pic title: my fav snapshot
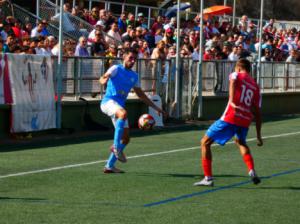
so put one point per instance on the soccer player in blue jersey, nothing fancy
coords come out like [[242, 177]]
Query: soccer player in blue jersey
[[120, 79]]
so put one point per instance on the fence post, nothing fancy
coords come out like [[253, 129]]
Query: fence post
[[287, 77], [149, 18], [158, 80], [90, 5], [190, 66], [75, 78], [37, 10], [59, 69]]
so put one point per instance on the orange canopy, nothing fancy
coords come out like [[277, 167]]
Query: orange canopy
[[217, 10]]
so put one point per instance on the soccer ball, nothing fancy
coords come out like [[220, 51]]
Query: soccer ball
[[146, 122]]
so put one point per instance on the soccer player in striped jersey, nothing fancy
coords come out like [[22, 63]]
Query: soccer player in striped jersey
[[244, 102]]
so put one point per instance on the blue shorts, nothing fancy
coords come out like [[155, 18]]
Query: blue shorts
[[221, 132]]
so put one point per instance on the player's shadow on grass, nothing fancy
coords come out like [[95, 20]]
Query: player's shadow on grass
[[260, 187], [22, 199], [185, 175], [53, 140]]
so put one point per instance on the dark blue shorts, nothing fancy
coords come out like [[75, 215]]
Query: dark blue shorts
[[221, 132]]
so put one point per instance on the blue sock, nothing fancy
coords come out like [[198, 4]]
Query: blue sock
[[119, 130], [112, 159]]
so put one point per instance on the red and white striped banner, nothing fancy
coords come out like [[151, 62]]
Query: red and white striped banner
[[5, 90]]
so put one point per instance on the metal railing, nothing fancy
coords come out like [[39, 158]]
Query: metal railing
[[26, 16], [80, 78], [151, 12], [72, 25]]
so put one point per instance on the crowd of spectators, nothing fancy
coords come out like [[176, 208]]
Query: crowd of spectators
[[111, 35]]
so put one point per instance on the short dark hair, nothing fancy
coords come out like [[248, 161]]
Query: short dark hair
[[244, 64], [130, 50]]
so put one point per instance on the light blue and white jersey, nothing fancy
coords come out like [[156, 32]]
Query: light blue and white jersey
[[120, 83]]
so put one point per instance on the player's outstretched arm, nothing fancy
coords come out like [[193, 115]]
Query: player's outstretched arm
[[140, 93], [104, 78]]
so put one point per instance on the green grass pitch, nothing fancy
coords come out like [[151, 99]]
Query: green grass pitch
[[62, 181]]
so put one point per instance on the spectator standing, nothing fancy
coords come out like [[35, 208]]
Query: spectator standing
[[40, 48], [195, 54], [233, 56], [269, 25], [143, 51], [226, 51], [158, 24], [267, 56], [169, 37], [93, 17], [17, 29], [141, 21], [149, 38], [122, 25], [159, 54], [99, 46], [81, 48], [48, 45], [158, 35], [131, 21], [139, 33], [98, 27], [129, 36], [207, 56], [114, 33], [171, 24], [243, 23], [110, 54], [66, 24], [103, 19], [45, 32], [110, 19], [292, 58], [8, 44], [38, 30], [27, 28], [6, 30]]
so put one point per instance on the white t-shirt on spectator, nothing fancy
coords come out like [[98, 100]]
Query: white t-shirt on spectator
[[41, 51], [55, 51], [91, 37], [115, 35], [195, 56], [67, 24], [36, 33], [233, 57]]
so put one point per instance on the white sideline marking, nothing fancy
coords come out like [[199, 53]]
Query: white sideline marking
[[130, 157]]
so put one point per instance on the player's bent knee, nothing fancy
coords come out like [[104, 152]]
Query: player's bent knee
[[206, 141], [122, 114]]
